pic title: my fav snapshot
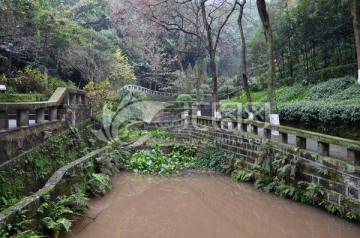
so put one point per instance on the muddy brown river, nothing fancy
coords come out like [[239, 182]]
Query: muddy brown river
[[202, 205]]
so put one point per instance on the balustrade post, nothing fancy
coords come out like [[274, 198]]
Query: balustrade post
[[267, 133], [78, 99], [4, 120], [72, 98], [22, 117], [323, 148], [301, 142], [243, 127], [39, 115], [255, 130], [53, 114], [353, 157], [284, 138], [83, 99]]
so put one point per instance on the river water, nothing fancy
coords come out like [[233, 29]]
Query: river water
[[202, 205]]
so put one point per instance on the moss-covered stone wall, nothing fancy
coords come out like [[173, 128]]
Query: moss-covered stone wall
[[341, 182]]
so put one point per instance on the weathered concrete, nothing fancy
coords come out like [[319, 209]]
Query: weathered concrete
[[26, 129]]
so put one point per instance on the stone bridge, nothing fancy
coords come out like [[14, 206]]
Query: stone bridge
[[135, 88]]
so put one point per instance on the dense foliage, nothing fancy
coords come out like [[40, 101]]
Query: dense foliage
[[212, 156], [156, 162], [68, 40]]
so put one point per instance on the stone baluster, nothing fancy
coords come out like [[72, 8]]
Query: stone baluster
[[53, 114], [73, 99], [39, 116], [267, 133], [78, 99], [255, 130], [243, 127], [323, 148], [353, 157], [22, 117], [284, 138], [301, 142], [4, 120]]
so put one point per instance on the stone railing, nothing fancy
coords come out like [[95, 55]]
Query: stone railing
[[25, 114], [23, 125], [313, 152], [135, 88], [323, 145]]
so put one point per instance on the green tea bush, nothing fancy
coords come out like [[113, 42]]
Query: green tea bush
[[327, 89], [347, 94], [286, 94], [234, 110], [321, 111], [184, 98]]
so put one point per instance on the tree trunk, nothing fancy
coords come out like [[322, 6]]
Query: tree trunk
[[243, 56], [264, 16], [211, 50], [199, 73], [356, 23]]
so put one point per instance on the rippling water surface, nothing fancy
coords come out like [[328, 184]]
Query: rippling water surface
[[202, 205]]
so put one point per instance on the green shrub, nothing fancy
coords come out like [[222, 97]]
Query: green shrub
[[287, 94], [193, 91], [156, 162], [27, 81], [227, 91], [35, 97], [349, 93], [212, 156], [206, 88], [184, 98], [233, 110], [321, 111], [160, 134], [54, 83], [329, 88]]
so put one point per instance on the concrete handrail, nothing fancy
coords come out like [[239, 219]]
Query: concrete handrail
[[60, 98], [148, 91], [251, 127]]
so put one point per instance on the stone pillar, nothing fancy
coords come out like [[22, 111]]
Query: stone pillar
[[267, 133], [39, 116], [53, 114], [83, 99], [353, 157], [243, 127], [301, 142], [323, 148], [255, 130], [72, 98], [22, 117], [78, 99], [184, 114], [4, 120], [284, 138]]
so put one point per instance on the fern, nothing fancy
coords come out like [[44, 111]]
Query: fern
[[241, 175]]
